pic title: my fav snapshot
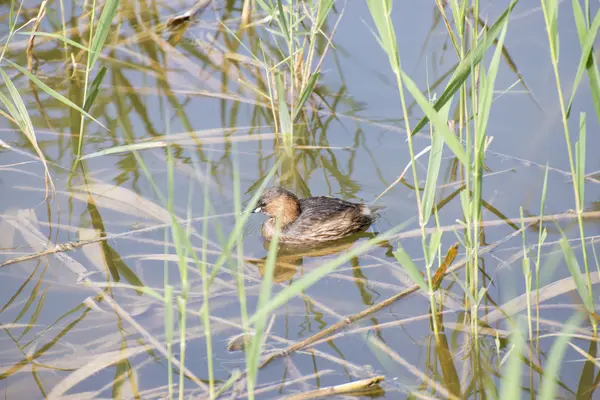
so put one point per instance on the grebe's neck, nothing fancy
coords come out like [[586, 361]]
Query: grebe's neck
[[285, 207]]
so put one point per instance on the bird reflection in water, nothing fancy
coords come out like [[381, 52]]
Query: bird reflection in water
[[290, 256]]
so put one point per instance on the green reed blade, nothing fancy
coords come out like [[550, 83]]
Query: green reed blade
[[511, 375], [233, 378], [575, 271], [18, 111], [264, 296], [324, 9], [306, 92], [580, 148], [411, 269], [556, 358], [591, 65], [52, 92], [587, 39], [433, 168], [56, 36], [94, 89], [126, 148], [169, 319], [439, 123], [434, 246], [283, 22], [486, 95], [205, 315], [473, 57], [103, 28], [550, 8], [285, 123]]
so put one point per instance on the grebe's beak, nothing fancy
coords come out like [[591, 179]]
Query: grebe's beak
[[257, 210]]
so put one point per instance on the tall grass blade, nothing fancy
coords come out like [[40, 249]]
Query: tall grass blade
[[324, 9], [575, 271], [169, 320], [284, 112], [411, 269], [434, 246], [439, 123], [52, 92], [555, 359], [104, 26], [205, 315], [580, 148], [511, 376], [380, 12], [233, 378], [285, 123], [591, 65], [282, 20], [126, 148], [263, 298], [587, 45], [473, 57], [433, 167], [56, 36], [550, 8], [306, 92], [487, 91], [18, 111], [94, 89]]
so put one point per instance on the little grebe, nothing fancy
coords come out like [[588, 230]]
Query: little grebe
[[314, 219]]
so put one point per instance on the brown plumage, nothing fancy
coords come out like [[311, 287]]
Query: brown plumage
[[314, 219]]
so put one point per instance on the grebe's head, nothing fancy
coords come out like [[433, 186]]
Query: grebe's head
[[276, 201]]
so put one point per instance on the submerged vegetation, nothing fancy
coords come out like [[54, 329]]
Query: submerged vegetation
[[132, 271]]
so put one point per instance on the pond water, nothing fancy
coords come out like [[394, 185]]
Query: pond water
[[197, 94]]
